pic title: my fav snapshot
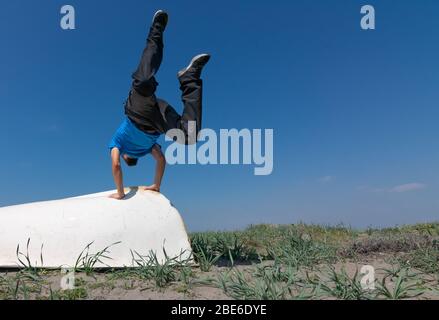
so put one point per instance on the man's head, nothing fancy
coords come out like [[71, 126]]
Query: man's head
[[131, 162]]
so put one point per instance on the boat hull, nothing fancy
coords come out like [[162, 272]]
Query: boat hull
[[53, 234]]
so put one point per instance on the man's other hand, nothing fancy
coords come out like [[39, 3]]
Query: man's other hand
[[117, 196], [153, 187]]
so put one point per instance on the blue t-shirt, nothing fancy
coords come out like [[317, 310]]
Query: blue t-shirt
[[132, 141]]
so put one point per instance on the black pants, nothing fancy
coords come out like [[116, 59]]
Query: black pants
[[151, 114]]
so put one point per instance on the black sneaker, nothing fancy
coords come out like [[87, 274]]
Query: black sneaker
[[196, 65], [160, 17]]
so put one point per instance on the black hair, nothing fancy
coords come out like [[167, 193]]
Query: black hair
[[131, 162]]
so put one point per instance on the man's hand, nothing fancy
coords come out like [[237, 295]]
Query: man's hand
[[117, 196], [153, 187]]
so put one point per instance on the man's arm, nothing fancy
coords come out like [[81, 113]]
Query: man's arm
[[159, 169], [117, 174]]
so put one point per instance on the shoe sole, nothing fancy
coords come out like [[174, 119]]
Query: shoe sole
[[156, 14], [182, 72]]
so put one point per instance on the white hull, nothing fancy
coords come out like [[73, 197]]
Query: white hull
[[146, 221]]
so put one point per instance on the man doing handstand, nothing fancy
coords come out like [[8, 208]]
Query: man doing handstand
[[147, 117]]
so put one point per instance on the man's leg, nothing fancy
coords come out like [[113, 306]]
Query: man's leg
[[143, 78], [191, 87]]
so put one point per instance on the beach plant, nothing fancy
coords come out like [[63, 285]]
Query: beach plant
[[340, 285], [205, 258], [25, 262], [86, 261], [22, 285], [237, 250], [241, 287], [425, 259], [277, 273], [301, 251], [403, 286], [232, 246], [73, 294], [161, 272]]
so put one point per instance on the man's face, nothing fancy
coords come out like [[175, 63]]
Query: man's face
[[131, 162]]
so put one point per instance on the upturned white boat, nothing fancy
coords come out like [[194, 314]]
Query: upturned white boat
[[61, 233]]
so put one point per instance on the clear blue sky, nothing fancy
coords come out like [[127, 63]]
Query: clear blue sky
[[355, 113]]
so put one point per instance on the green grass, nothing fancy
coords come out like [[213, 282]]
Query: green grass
[[400, 285], [341, 286], [241, 286], [25, 262], [425, 259], [74, 294], [86, 261], [161, 272], [300, 250], [204, 253]]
